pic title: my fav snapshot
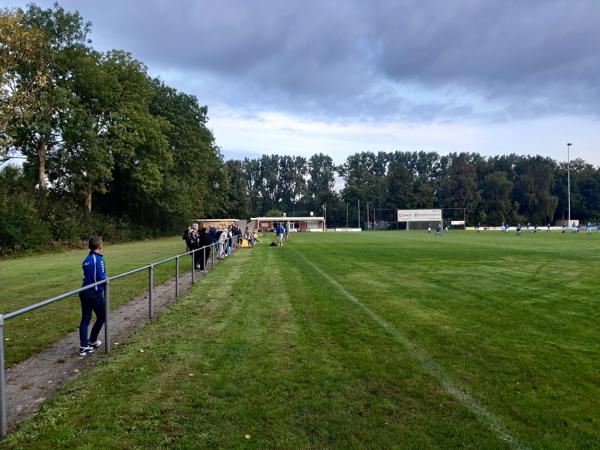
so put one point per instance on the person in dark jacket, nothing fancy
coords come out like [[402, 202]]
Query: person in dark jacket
[[193, 243], [205, 241], [186, 232], [237, 233], [92, 299], [212, 231]]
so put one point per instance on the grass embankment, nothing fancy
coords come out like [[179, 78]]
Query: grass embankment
[[268, 347], [28, 280]]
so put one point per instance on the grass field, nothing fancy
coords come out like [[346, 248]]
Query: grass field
[[28, 280], [371, 340]]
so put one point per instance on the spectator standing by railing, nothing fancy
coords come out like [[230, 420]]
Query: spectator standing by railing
[[205, 241], [193, 243], [92, 299], [237, 231], [222, 243], [212, 232], [229, 238], [186, 232]]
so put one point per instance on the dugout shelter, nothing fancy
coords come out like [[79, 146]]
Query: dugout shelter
[[309, 223], [218, 223]]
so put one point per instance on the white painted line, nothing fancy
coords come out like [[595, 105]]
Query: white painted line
[[481, 412]]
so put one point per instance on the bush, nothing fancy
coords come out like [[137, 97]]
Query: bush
[[30, 222], [20, 226]]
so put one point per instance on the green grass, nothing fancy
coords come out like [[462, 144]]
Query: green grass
[[28, 280], [267, 346]]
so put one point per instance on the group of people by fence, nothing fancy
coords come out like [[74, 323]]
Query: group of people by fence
[[196, 238]]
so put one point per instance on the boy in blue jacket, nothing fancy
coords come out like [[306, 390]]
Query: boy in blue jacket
[[279, 231], [92, 299]]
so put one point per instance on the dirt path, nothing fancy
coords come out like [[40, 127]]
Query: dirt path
[[32, 381]]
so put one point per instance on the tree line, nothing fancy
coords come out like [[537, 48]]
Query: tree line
[[107, 149], [492, 190], [104, 146]]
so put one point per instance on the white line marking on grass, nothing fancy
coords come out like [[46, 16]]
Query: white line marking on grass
[[434, 369]]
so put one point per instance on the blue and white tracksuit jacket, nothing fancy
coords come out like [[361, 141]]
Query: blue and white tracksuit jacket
[[93, 271]]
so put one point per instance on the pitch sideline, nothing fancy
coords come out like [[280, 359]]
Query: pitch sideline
[[438, 372]]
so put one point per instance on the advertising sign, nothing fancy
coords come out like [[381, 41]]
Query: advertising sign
[[419, 215]]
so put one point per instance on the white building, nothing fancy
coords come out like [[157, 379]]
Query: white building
[[294, 223]]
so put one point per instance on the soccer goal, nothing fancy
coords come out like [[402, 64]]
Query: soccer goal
[[419, 219], [422, 219]]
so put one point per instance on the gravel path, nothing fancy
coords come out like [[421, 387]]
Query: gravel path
[[32, 381]]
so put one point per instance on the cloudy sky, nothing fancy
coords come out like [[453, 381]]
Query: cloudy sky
[[299, 77]]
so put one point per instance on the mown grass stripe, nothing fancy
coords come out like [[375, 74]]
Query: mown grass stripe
[[494, 422]]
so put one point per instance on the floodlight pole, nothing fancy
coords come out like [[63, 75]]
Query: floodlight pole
[[569, 181], [368, 223], [358, 215], [346, 215]]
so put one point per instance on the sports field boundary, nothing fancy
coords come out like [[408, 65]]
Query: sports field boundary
[[58, 363], [30, 382], [491, 420]]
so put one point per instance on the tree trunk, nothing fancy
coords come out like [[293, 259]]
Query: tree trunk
[[88, 196], [42, 164]]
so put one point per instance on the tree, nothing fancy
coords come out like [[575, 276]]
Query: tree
[[36, 132], [321, 181], [365, 174], [142, 157], [20, 45], [497, 190], [533, 189], [459, 187], [400, 184], [238, 202], [196, 184], [284, 182], [20, 224], [274, 212], [251, 169], [268, 188], [85, 159]]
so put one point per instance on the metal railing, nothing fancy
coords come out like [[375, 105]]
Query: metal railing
[[212, 249]]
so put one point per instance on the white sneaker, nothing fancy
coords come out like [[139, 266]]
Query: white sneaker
[[95, 344], [85, 351]]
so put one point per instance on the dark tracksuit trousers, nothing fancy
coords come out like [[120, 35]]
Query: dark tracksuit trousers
[[91, 300]]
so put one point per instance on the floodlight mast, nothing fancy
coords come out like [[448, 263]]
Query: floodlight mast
[[569, 182]]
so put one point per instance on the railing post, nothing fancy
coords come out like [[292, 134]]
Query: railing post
[[2, 382], [107, 317], [150, 291], [193, 266], [177, 276], [204, 258], [212, 257]]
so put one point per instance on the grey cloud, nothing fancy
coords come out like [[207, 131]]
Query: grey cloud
[[327, 58], [536, 56]]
